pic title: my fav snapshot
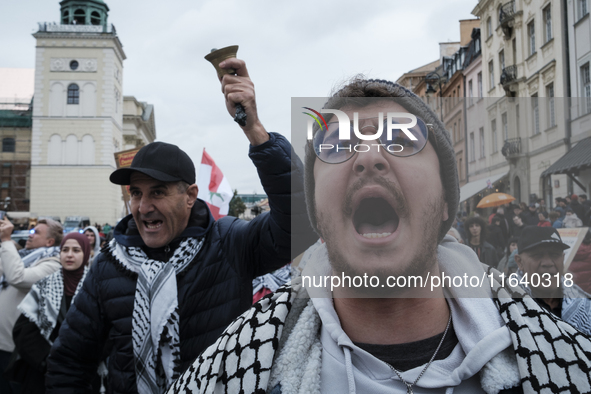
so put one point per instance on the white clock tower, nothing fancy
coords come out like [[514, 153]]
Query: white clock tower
[[77, 114]]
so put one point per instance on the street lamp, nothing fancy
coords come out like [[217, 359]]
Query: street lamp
[[431, 79], [430, 90]]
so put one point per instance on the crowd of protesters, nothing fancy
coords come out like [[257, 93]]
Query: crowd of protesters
[[494, 238], [165, 304]]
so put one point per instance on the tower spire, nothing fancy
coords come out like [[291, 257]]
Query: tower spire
[[84, 12]]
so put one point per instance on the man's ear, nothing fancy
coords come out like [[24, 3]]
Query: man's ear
[[192, 192], [50, 242]]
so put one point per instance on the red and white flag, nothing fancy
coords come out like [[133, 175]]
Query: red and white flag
[[214, 188]]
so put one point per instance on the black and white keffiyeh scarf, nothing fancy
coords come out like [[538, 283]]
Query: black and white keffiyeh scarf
[[42, 304], [254, 352], [30, 256], [576, 304], [155, 321]]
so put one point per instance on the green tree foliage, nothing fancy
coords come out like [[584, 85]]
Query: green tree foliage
[[237, 206]]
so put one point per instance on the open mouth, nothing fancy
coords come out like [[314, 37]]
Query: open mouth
[[153, 224], [375, 218]]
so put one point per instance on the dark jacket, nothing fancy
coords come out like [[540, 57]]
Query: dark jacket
[[496, 237], [516, 231], [530, 218], [581, 267], [213, 290], [578, 209], [487, 253]]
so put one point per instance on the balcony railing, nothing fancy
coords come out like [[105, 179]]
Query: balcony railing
[[508, 75], [511, 147], [53, 27], [506, 18]]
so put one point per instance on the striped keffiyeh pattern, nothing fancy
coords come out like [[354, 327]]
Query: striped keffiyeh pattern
[[155, 320]]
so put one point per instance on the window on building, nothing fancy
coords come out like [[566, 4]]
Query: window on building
[[583, 9], [460, 168], [459, 129], [505, 126], [95, 18], [5, 185], [79, 17], [87, 150], [481, 142], [491, 75], [480, 85], [472, 153], [586, 87], [531, 35], [73, 94], [493, 128], [502, 59], [65, 17], [470, 93], [489, 27], [8, 145], [550, 98], [535, 113], [71, 150], [547, 23], [54, 150]]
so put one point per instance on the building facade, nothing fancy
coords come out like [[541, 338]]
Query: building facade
[[576, 163], [15, 157], [78, 115], [523, 61]]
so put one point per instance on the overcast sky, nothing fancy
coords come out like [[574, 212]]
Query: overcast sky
[[292, 49]]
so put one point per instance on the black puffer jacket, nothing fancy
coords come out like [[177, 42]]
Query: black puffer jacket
[[213, 290]]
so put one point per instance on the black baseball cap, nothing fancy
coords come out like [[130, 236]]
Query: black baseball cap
[[533, 236], [161, 161]]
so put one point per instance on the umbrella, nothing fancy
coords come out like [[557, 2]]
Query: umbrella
[[495, 199]]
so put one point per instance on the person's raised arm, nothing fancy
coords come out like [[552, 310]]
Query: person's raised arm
[[14, 269], [265, 243], [239, 89]]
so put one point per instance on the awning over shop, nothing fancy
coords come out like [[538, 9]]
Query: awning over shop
[[475, 187], [573, 161]]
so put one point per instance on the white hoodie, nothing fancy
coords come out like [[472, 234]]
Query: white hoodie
[[480, 330]]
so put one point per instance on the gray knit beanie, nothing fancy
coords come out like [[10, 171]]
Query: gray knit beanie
[[439, 138]]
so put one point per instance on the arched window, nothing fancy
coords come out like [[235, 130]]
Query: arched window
[[95, 18], [73, 94], [8, 145], [87, 150], [71, 150], [54, 150], [79, 17], [66, 17]]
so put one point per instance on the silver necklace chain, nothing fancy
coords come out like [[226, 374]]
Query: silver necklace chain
[[409, 385]]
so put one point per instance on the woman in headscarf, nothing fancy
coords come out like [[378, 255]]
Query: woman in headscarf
[[95, 241], [43, 311]]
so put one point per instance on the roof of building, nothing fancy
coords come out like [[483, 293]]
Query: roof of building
[[425, 68], [576, 159], [13, 118]]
